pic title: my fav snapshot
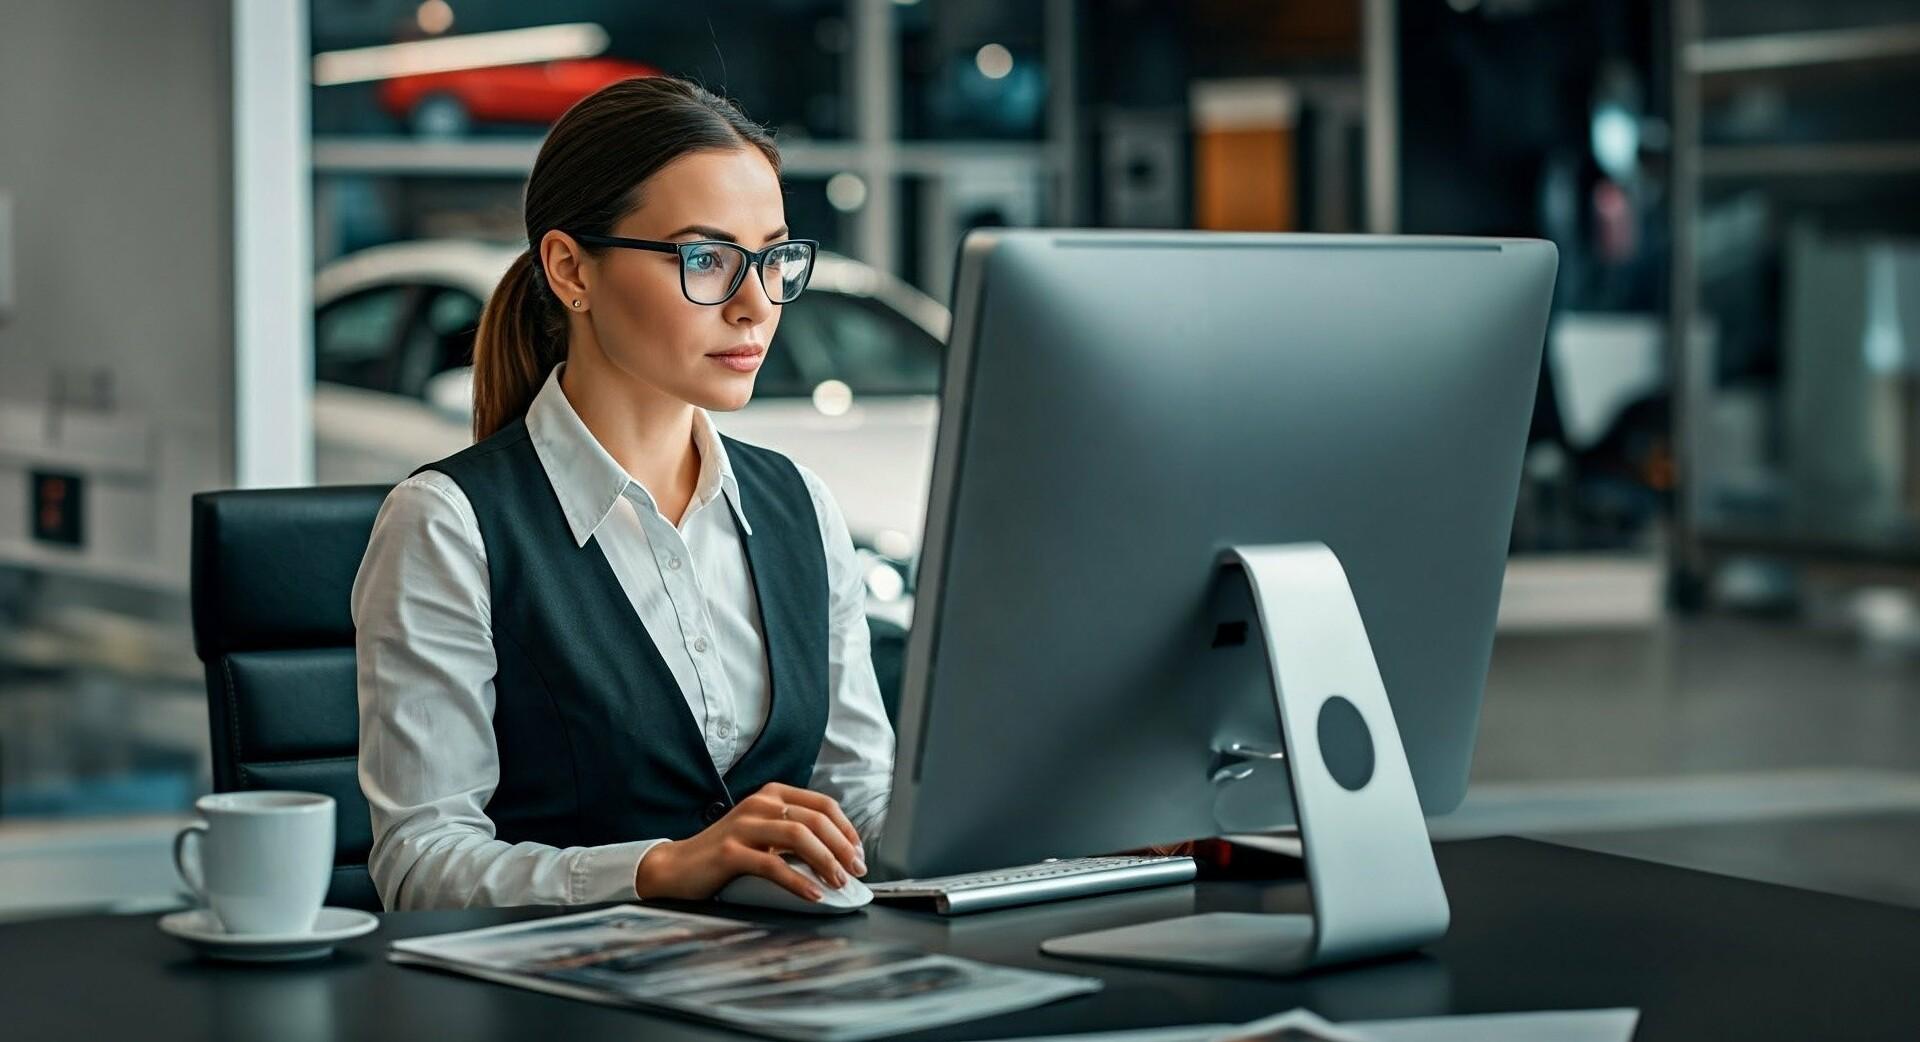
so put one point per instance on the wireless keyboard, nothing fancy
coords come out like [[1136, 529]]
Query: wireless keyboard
[[1032, 884]]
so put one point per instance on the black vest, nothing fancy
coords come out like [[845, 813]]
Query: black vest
[[596, 742]]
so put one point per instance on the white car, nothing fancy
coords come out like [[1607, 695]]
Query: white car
[[850, 388]]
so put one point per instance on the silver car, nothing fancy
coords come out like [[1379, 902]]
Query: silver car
[[850, 388]]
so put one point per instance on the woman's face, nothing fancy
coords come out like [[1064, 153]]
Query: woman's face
[[643, 323]]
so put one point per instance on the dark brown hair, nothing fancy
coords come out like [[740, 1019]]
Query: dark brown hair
[[589, 174]]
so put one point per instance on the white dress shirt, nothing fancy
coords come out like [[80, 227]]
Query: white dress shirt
[[423, 634]]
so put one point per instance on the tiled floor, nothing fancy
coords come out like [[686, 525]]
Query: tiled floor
[[1763, 749], [1715, 694]]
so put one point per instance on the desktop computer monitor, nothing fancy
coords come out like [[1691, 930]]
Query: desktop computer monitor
[[1170, 468]]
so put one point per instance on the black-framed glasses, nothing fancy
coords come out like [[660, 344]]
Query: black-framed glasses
[[711, 270]]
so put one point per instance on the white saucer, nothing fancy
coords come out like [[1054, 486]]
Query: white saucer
[[201, 929]]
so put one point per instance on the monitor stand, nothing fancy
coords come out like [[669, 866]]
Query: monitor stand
[[1369, 864]]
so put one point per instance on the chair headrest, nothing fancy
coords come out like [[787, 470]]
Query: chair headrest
[[274, 568]]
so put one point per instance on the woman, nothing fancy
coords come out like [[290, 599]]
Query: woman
[[607, 653]]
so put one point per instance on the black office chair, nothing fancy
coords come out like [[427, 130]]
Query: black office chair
[[272, 574], [889, 644]]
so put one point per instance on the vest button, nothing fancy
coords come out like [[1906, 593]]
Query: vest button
[[714, 812]]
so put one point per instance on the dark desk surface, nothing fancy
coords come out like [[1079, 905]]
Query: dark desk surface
[[1535, 927]]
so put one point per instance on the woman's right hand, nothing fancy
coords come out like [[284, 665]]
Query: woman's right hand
[[749, 841]]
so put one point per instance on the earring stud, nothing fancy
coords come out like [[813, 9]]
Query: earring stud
[[576, 303]]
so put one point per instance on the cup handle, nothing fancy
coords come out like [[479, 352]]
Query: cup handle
[[194, 877]]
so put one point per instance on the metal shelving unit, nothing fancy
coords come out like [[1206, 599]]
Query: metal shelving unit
[[513, 157], [1775, 176], [1796, 50]]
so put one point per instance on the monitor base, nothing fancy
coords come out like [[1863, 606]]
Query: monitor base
[[1374, 887], [1271, 945]]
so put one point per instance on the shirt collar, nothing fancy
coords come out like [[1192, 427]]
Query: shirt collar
[[588, 481]]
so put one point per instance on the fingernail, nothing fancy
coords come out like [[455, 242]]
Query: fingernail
[[839, 878], [813, 893], [859, 866]]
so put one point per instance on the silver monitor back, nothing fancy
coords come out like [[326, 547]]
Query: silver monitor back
[[1120, 407]]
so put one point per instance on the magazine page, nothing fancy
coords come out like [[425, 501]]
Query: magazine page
[[1301, 1025], [1298, 1025], [922, 992], [783, 983]]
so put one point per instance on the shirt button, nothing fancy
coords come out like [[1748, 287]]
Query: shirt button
[[673, 563], [700, 645], [714, 812]]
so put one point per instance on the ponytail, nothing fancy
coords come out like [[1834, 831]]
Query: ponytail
[[588, 175], [521, 338]]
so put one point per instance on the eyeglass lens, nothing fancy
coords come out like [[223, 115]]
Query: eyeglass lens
[[710, 269]]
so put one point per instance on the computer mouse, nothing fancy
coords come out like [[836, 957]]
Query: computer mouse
[[761, 892]]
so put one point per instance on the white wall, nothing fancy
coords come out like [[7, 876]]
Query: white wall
[[273, 244], [117, 122]]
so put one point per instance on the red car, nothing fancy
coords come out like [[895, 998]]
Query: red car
[[447, 104]]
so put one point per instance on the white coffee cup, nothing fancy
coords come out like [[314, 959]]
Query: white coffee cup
[[261, 860]]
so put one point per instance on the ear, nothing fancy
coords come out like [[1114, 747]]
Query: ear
[[565, 264]]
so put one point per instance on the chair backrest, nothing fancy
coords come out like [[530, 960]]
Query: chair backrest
[[272, 576], [888, 642]]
